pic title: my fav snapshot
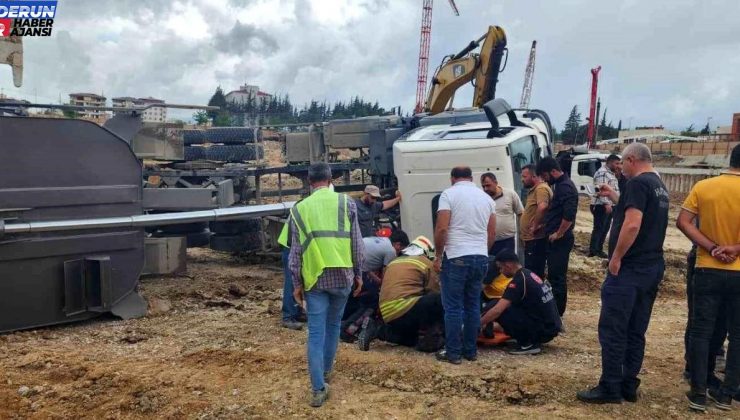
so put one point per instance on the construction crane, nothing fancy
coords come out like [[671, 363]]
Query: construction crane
[[592, 109], [528, 78], [426, 35]]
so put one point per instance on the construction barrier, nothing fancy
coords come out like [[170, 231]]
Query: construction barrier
[[680, 180], [704, 148]]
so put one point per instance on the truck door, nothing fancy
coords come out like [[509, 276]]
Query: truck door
[[522, 152], [582, 174]]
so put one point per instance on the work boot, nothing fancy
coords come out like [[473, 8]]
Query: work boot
[[319, 397], [721, 400], [442, 356], [292, 324], [598, 395], [697, 401], [368, 333]]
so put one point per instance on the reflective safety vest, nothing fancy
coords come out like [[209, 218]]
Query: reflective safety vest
[[323, 226], [283, 238]]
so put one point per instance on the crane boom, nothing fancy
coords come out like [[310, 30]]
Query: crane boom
[[426, 35], [592, 108], [528, 78]]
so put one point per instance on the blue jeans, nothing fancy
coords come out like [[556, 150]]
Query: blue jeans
[[290, 307], [626, 305], [324, 308], [462, 280]]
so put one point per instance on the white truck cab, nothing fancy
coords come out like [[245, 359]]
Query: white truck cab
[[424, 157], [581, 169]]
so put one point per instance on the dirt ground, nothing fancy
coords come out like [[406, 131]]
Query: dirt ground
[[212, 347]]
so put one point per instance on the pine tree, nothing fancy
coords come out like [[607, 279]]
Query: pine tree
[[572, 125], [218, 99]]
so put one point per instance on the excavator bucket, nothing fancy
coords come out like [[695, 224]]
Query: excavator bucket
[[11, 53]]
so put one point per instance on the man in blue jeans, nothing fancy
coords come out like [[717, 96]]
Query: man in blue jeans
[[292, 313], [465, 230], [326, 257]]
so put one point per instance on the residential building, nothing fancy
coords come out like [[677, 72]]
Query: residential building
[[89, 99], [153, 114], [245, 92]]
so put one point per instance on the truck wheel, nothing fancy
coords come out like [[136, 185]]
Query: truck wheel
[[232, 153], [237, 243], [236, 227]]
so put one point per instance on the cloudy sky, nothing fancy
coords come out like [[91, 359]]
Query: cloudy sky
[[670, 62]]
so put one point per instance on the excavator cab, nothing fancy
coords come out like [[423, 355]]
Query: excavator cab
[[481, 68]]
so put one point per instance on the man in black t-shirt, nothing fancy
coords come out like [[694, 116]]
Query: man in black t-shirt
[[370, 206], [636, 267], [527, 310]]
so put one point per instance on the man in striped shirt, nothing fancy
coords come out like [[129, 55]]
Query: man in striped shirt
[[602, 207]]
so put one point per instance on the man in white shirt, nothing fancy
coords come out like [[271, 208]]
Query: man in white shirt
[[508, 209], [465, 230]]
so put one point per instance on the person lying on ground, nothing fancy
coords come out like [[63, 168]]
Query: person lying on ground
[[527, 310]]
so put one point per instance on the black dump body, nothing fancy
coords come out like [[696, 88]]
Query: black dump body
[[59, 169]]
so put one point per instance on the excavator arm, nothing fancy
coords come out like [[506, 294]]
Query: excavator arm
[[11, 53], [463, 67]]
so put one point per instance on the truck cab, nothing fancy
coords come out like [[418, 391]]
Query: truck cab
[[581, 168], [503, 145]]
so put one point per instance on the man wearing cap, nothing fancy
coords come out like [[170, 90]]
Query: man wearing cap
[[369, 206], [527, 311], [409, 298]]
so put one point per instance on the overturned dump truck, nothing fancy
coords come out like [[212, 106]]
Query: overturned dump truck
[[72, 222]]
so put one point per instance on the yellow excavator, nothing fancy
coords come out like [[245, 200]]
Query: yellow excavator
[[481, 68]]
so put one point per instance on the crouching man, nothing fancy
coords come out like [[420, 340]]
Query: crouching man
[[410, 302], [527, 311]]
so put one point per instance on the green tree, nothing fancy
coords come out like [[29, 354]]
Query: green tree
[[689, 131], [572, 125], [70, 113], [218, 99], [705, 131], [223, 119], [201, 117]]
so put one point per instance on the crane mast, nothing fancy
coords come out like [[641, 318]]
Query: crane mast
[[528, 78]]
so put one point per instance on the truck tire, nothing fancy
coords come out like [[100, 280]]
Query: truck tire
[[236, 227], [232, 153], [231, 135], [184, 228], [237, 243], [195, 153], [193, 136]]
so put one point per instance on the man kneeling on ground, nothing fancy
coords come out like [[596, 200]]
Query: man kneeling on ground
[[527, 310], [410, 302]]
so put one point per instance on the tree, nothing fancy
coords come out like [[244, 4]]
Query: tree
[[705, 131], [223, 119], [689, 131], [572, 125], [201, 117], [619, 127], [70, 113], [218, 99]]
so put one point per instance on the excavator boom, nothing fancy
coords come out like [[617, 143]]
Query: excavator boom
[[465, 67]]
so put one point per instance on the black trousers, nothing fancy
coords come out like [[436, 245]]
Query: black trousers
[[558, 254], [714, 291], [626, 306], [520, 326], [720, 327], [535, 256], [602, 222], [426, 313]]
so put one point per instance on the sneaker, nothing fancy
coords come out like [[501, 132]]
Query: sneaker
[[292, 324], [598, 395], [319, 397], [442, 357], [528, 349], [721, 400], [697, 402], [368, 333]]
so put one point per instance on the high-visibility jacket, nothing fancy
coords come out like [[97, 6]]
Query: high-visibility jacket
[[323, 224], [283, 239]]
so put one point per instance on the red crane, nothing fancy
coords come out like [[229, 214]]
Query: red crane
[[528, 78], [592, 110], [426, 34]]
